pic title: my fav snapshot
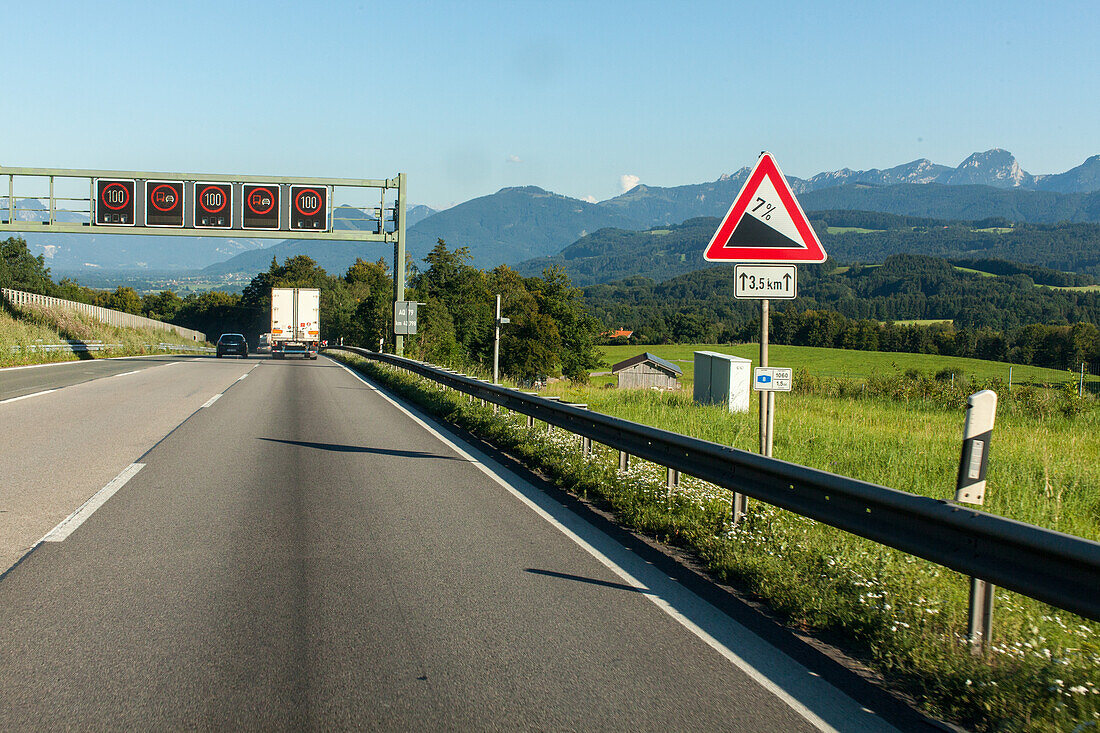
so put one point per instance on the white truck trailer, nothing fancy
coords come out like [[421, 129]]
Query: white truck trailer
[[295, 322]]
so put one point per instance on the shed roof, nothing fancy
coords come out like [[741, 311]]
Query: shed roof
[[646, 356]]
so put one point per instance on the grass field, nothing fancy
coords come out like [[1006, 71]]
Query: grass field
[[842, 363], [20, 329], [849, 230], [903, 616], [924, 321], [983, 273], [1076, 289]]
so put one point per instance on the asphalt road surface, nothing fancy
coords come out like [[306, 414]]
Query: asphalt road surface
[[304, 553]]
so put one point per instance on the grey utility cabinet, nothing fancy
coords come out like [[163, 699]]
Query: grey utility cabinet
[[721, 379]]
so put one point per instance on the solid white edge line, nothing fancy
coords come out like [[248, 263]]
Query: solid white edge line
[[751, 671], [124, 374], [79, 361], [69, 524], [26, 396], [212, 400]]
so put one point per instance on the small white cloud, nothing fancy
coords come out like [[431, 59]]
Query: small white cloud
[[628, 181], [514, 159], [590, 199]]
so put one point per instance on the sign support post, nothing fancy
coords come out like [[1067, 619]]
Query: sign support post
[[500, 321], [399, 259], [763, 362], [496, 345]]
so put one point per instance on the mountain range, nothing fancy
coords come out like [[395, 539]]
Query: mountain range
[[517, 224]]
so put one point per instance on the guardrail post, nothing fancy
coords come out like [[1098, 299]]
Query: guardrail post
[[531, 419], [549, 425], [672, 481], [739, 507], [981, 411], [624, 460]]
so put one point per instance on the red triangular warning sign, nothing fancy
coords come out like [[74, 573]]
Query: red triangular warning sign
[[765, 223]]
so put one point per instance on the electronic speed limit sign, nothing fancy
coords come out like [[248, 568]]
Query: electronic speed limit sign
[[261, 206], [213, 205], [309, 208], [114, 202]]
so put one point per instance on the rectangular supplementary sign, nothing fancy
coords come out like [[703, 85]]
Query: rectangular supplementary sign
[[404, 317], [772, 379], [770, 282]]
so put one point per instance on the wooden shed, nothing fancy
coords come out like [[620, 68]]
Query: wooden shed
[[647, 370]]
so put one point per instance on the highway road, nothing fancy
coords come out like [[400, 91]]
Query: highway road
[[279, 545]]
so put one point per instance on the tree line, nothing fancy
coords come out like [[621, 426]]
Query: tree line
[[551, 331]]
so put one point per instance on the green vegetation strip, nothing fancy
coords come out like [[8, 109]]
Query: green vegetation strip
[[905, 617], [22, 330]]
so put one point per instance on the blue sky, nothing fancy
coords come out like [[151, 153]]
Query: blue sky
[[575, 97]]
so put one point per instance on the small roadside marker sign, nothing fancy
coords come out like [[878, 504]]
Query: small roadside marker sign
[[772, 379], [775, 282], [765, 223]]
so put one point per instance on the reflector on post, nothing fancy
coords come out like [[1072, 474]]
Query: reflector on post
[[981, 410]]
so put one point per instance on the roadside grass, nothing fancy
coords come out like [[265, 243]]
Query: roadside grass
[[21, 329], [904, 616], [848, 364]]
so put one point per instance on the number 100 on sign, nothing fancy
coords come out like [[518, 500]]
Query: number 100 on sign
[[765, 282]]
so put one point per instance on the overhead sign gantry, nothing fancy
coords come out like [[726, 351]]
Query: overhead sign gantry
[[205, 205]]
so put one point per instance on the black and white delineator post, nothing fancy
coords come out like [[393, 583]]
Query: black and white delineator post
[[981, 410]]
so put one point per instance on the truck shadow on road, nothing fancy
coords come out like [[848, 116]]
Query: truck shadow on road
[[340, 448], [582, 579]]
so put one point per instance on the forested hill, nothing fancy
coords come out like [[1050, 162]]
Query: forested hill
[[848, 236], [699, 306]]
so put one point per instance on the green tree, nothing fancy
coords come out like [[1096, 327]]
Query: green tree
[[125, 299], [162, 306], [20, 270], [576, 327]]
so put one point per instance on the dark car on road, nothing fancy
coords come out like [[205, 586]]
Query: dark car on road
[[232, 343]]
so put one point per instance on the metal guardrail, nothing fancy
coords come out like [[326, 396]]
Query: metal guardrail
[[1056, 568], [79, 347], [74, 346], [103, 315], [186, 347]]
